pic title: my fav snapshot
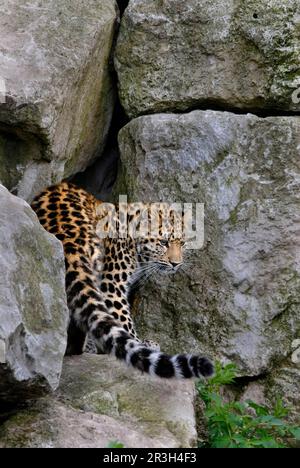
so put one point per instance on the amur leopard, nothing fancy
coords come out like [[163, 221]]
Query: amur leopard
[[100, 274]]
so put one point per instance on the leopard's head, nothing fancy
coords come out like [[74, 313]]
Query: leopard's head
[[157, 231], [163, 249], [162, 254]]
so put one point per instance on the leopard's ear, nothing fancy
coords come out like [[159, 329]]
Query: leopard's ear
[[106, 220], [105, 209], [168, 220], [159, 220], [138, 221]]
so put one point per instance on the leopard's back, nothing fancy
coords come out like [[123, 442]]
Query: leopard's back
[[68, 212]]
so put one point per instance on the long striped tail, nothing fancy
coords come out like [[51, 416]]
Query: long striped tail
[[113, 339]]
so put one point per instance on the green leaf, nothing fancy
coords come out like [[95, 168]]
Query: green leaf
[[234, 420], [279, 410], [115, 444], [295, 431], [221, 442], [270, 420], [240, 407], [260, 410], [216, 399], [265, 443]]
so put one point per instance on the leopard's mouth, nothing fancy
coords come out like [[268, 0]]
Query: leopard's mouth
[[169, 268]]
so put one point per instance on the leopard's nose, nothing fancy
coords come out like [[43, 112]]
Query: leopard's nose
[[175, 264]]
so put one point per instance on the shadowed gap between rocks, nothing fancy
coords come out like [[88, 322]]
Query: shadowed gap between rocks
[[217, 106], [17, 147], [122, 5], [99, 178]]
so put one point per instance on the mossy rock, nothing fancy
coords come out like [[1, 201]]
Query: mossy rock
[[175, 56]]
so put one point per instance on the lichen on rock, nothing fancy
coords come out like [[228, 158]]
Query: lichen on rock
[[237, 298], [98, 401], [175, 55]]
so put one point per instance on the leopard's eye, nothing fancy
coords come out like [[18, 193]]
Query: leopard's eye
[[163, 242]]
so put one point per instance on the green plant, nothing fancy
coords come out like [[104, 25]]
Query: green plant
[[115, 444], [237, 424]]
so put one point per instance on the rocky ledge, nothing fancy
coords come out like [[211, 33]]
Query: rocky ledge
[[100, 401]]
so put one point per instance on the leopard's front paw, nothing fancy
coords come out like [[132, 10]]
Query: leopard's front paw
[[90, 346], [151, 344]]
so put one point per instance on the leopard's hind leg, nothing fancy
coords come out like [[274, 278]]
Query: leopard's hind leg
[[76, 339]]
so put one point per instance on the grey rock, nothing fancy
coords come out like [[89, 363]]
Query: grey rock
[[255, 391], [237, 298], [58, 100], [33, 308], [99, 400], [284, 383], [176, 55]]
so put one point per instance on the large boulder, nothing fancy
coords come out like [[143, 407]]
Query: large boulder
[[237, 298], [33, 308], [100, 401], [176, 55], [56, 92]]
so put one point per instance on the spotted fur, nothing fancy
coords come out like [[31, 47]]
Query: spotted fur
[[100, 274]]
